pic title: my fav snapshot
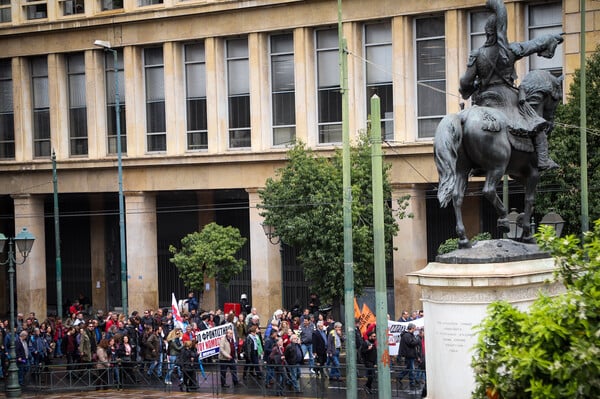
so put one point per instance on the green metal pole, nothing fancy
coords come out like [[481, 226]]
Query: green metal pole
[[122, 245], [384, 386], [347, 217], [59, 305], [13, 388], [583, 127]]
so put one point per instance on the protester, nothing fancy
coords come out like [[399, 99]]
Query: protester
[[187, 360], [306, 332], [369, 355], [334, 347], [251, 354], [409, 349], [227, 358], [174, 346], [319, 342], [293, 358], [278, 360]]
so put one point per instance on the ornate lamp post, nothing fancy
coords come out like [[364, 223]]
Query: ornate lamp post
[[515, 231], [124, 299], [270, 233], [275, 240], [24, 242], [555, 220]]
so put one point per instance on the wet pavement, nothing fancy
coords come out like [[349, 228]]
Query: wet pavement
[[333, 392], [161, 394]]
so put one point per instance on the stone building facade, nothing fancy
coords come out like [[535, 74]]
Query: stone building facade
[[211, 92]]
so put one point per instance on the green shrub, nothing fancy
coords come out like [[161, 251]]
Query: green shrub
[[452, 243], [552, 351]]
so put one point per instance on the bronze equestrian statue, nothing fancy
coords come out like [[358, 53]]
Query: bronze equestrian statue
[[505, 131]]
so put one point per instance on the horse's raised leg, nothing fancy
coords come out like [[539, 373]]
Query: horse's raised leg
[[492, 180], [530, 184], [458, 194]]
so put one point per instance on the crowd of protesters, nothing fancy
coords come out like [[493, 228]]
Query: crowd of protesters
[[127, 349]]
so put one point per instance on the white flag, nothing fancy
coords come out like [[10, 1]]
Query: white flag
[[175, 310]]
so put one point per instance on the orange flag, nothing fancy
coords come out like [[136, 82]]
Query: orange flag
[[356, 310], [366, 317]]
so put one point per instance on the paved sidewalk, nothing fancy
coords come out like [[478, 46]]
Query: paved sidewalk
[[131, 393], [162, 394]]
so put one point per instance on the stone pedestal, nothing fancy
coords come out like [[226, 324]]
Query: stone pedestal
[[456, 291]]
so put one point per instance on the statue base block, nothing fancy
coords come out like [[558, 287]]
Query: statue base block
[[456, 291]]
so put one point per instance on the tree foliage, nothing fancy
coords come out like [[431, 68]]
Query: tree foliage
[[210, 253], [552, 351], [304, 205], [561, 189]]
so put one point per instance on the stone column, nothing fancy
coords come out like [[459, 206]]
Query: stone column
[[265, 261], [411, 244], [30, 285], [304, 77], [142, 258], [260, 122], [455, 299], [98, 255], [22, 101]]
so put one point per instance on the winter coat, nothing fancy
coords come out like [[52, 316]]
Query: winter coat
[[151, 347], [369, 356], [408, 345], [293, 354], [175, 346]]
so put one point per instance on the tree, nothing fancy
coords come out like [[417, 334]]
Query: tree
[[304, 205], [550, 352], [210, 253], [561, 189]]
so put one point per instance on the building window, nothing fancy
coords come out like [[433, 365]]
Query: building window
[[111, 103], [78, 136], [239, 93], [283, 88], [431, 74], [477, 20], [378, 66], [143, 3], [329, 96], [543, 19], [72, 7], [7, 119], [5, 13], [41, 107], [107, 5], [35, 9], [195, 85], [156, 130]]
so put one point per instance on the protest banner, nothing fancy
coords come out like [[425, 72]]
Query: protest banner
[[208, 340], [395, 330]]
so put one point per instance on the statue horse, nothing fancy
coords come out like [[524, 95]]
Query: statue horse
[[477, 142]]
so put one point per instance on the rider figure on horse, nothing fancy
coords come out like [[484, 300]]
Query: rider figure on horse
[[490, 79]]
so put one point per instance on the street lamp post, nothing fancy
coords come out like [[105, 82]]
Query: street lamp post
[[24, 242], [275, 239], [107, 47]]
